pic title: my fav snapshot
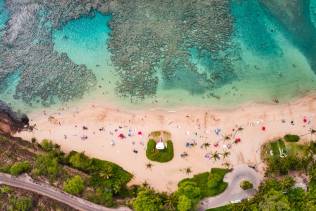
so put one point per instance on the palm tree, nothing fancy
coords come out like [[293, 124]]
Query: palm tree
[[226, 164], [205, 145], [312, 132], [145, 184], [149, 165], [238, 130], [106, 173], [188, 170], [227, 137], [215, 156], [225, 154]]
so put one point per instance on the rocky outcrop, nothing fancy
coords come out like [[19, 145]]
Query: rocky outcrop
[[11, 121]]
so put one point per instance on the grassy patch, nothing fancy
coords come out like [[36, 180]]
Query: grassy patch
[[286, 156], [291, 138], [210, 183], [245, 185], [161, 156], [278, 147]]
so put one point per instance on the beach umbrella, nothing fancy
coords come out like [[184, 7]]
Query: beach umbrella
[[121, 135], [237, 140]]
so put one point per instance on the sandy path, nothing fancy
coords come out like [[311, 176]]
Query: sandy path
[[65, 127]]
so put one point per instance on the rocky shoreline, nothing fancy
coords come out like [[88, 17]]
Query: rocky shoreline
[[11, 121]]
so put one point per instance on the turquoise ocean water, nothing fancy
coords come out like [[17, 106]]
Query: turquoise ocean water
[[269, 62]]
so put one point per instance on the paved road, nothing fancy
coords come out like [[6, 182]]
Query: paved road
[[27, 183], [233, 191]]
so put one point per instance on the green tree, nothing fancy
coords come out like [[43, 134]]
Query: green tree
[[19, 168], [74, 185], [297, 198], [147, 200], [102, 196], [214, 180], [79, 160], [190, 190], [47, 164], [274, 201], [184, 203], [287, 183]]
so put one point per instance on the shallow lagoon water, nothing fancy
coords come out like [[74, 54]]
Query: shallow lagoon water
[[266, 63], [268, 66]]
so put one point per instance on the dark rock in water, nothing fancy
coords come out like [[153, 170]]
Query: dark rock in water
[[11, 121]]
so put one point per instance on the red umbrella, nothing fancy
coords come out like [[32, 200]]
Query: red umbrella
[[305, 120], [237, 140], [121, 136], [140, 133], [263, 128]]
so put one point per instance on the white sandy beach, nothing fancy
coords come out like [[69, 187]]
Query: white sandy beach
[[105, 122]]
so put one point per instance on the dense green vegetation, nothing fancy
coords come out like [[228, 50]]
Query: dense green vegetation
[[282, 157], [245, 185], [19, 168], [147, 200], [291, 138], [210, 183], [74, 185], [162, 156], [279, 194], [278, 191], [102, 181], [47, 165], [190, 192], [93, 179], [103, 174]]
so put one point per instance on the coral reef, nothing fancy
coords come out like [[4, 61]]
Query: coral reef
[[152, 38], [150, 44]]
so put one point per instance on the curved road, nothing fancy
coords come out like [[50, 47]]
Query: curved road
[[25, 182], [233, 191]]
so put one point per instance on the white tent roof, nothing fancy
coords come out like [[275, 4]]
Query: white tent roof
[[160, 145]]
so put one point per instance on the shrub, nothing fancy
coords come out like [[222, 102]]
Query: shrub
[[192, 193], [245, 185], [5, 169], [5, 189], [20, 204], [46, 164], [291, 138], [19, 168], [161, 156], [47, 145], [147, 200], [102, 196], [74, 185], [210, 183]]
